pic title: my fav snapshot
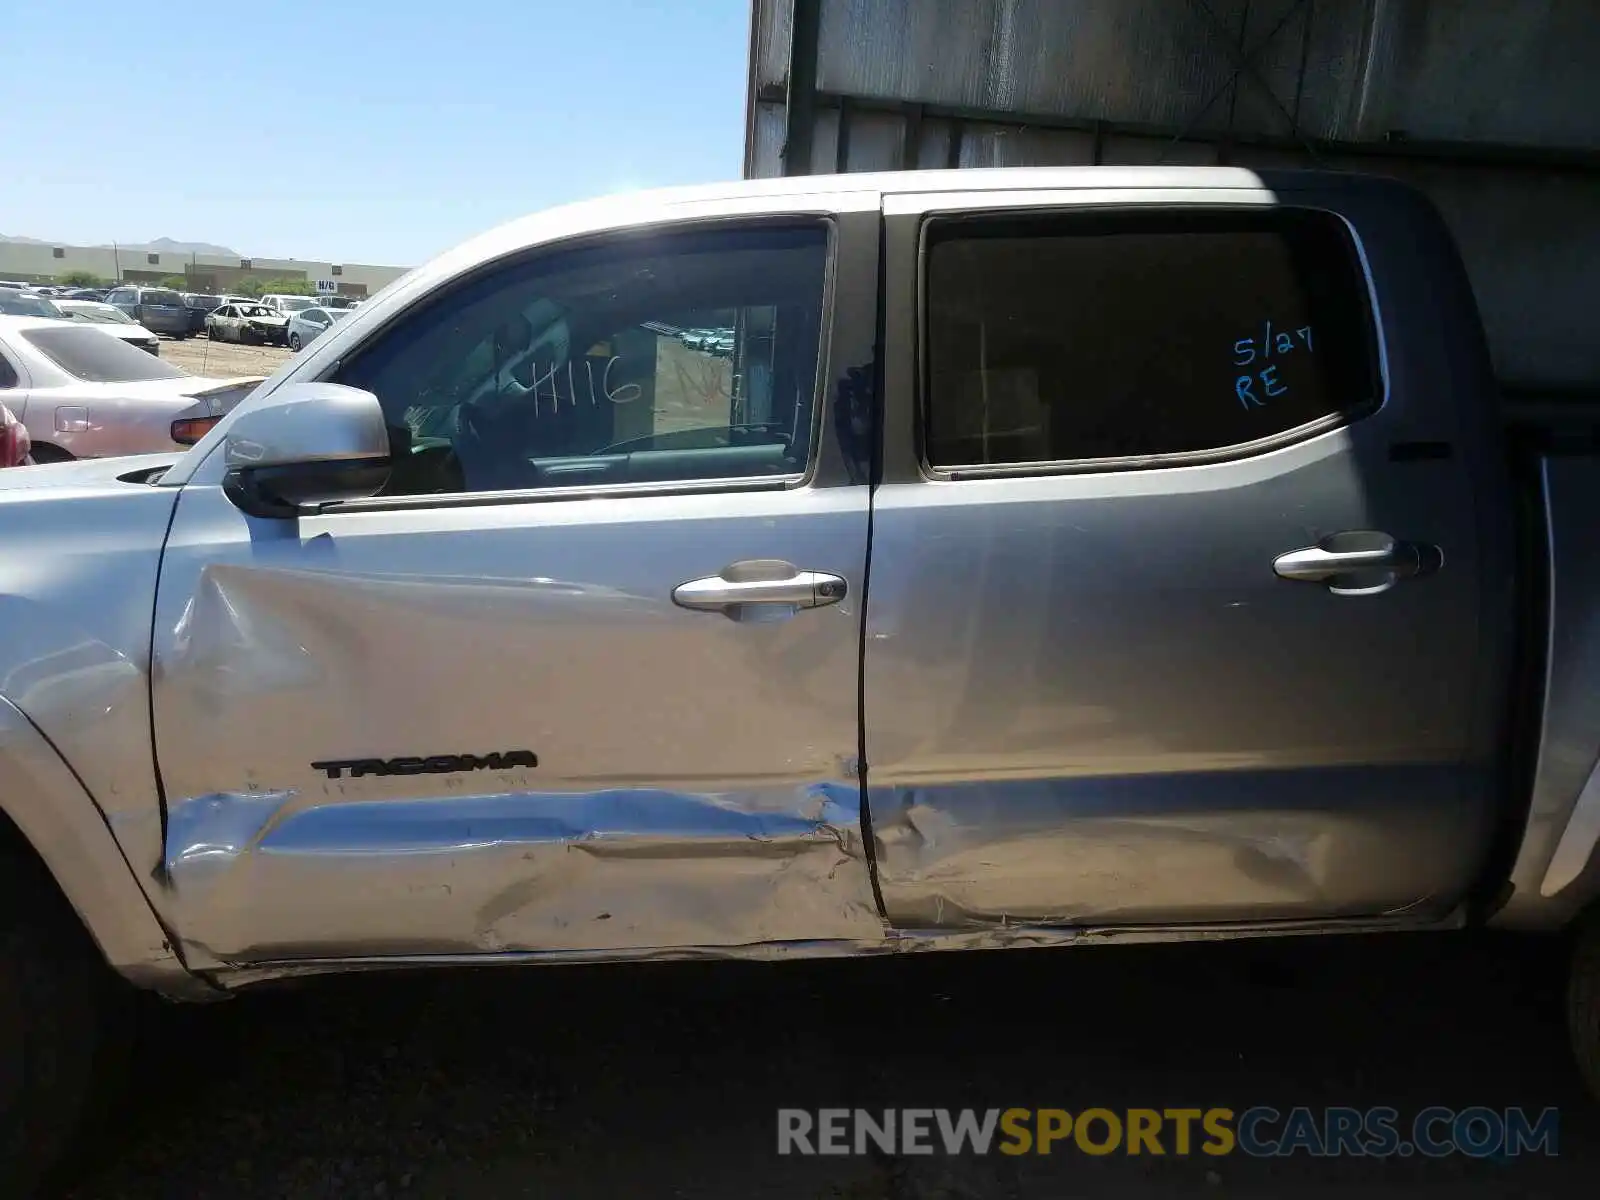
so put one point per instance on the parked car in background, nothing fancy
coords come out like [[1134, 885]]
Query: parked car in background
[[287, 306], [199, 305], [83, 394], [248, 324], [160, 310], [332, 302], [21, 302], [110, 319], [309, 324], [89, 293], [31, 304], [14, 442]]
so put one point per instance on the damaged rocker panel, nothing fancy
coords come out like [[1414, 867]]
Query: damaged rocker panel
[[288, 875], [1011, 937]]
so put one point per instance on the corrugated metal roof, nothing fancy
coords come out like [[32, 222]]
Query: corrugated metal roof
[[1515, 71], [1445, 89]]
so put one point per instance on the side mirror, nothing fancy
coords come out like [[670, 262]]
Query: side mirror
[[308, 444]]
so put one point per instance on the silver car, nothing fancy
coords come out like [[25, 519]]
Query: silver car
[[307, 325], [25, 302], [84, 393], [110, 319]]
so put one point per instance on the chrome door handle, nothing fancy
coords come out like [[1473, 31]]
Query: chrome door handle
[[1358, 562], [760, 589]]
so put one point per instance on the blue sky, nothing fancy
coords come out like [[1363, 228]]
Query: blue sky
[[355, 130]]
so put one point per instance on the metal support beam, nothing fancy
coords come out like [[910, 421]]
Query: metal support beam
[[800, 103], [911, 139], [841, 147], [1244, 66], [1575, 160]]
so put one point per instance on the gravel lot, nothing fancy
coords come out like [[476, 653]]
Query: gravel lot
[[663, 1080], [201, 356]]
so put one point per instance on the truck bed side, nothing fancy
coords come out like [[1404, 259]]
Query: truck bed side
[[1555, 716]]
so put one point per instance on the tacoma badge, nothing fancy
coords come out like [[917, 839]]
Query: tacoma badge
[[435, 764]]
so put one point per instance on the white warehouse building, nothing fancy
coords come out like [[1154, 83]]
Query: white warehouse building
[[42, 262]]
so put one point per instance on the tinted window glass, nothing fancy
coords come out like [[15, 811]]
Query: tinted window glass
[[91, 311], [8, 375], [26, 304], [98, 357], [1126, 335], [161, 296], [683, 356]]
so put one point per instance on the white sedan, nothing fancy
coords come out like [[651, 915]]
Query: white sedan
[[309, 324], [83, 394], [110, 319]]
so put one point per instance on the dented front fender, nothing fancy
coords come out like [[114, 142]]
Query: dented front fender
[[60, 821]]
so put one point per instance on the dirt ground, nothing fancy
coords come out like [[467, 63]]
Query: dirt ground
[[201, 356], [663, 1080]]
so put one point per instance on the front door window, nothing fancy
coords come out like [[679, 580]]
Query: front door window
[[681, 356]]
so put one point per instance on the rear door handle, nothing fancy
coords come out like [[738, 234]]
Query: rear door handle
[[760, 589], [1358, 562]]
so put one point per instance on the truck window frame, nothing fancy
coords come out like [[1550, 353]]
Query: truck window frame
[[1371, 317], [529, 258]]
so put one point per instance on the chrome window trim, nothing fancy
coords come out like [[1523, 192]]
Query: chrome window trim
[[828, 222]]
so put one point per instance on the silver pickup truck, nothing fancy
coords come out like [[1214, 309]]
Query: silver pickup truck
[[1058, 557]]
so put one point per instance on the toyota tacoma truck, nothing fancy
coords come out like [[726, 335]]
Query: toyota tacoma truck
[[1059, 556]]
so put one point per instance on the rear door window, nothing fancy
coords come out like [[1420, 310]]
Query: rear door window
[[1125, 337]]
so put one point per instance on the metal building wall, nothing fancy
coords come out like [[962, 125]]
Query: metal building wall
[[1492, 106]]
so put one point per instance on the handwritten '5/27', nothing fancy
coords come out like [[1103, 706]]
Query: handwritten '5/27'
[[1272, 345]]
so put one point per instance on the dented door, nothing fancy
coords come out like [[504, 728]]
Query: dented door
[[1181, 609], [503, 719]]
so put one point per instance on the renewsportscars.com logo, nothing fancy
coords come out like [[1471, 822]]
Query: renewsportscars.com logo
[[1260, 1132]]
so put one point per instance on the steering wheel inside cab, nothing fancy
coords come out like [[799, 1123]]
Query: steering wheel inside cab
[[430, 469], [490, 444]]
